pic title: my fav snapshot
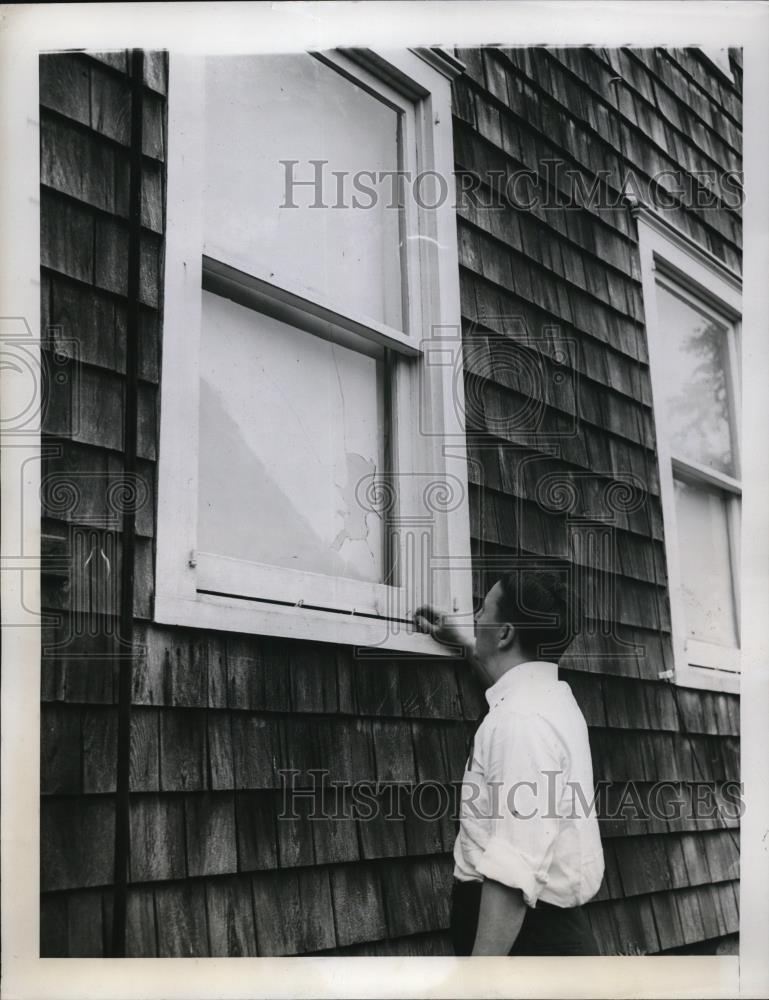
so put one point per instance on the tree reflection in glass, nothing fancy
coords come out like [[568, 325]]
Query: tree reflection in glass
[[695, 384]]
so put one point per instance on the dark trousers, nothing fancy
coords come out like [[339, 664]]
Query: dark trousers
[[546, 929]]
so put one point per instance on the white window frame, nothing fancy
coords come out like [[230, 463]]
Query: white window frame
[[670, 257], [211, 591]]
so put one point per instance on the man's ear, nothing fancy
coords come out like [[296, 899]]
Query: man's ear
[[507, 634]]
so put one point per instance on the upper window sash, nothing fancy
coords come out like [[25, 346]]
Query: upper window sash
[[704, 474], [730, 367], [293, 305], [269, 286]]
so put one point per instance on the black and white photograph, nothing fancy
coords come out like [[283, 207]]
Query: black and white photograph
[[382, 472]]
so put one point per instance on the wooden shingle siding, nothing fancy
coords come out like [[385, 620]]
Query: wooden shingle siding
[[84, 132], [564, 270], [560, 445]]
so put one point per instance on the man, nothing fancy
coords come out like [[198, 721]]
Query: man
[[528, 853]]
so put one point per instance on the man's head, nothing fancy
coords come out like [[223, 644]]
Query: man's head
[[529, 614]]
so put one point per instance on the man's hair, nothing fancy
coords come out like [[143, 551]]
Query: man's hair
[[543, 609]]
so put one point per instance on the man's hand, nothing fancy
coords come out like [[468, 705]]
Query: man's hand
[[433, 623], [499, 920], [428, 620]]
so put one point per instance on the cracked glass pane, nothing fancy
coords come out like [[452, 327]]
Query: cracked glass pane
[[264, 110], [290, 436]]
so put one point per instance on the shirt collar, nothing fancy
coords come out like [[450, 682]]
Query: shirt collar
[[524, 676]]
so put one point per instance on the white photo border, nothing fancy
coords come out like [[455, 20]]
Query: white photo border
[[25, 30]]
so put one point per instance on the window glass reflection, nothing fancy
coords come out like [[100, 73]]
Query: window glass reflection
[[290, 436], [694, 383], [264, 109], [703, 538]]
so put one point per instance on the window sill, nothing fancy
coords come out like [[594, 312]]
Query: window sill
[[229, 614], [705, 679]]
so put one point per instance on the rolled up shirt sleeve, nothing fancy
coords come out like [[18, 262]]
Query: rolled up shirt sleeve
[[524, 769]]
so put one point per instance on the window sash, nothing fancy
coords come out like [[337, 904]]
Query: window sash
[[700, 653], [417, 435], [698, 301], [704, 474], [668, 257], [290, 305], [731, 503], [690, 651], [270, 290]]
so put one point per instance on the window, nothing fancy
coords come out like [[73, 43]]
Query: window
[[305, 483], [692, 305]]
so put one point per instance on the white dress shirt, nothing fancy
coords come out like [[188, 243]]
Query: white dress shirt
[[523, 821]]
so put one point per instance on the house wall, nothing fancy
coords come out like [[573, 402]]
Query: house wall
[[217, 716], [568, 278]]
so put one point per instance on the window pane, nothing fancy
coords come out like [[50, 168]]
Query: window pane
[[261, 110], [695, 383], [706, 577], [289, 426]]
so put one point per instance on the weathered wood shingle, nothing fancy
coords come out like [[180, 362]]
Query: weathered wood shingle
[[567, 260], [84, 124]]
